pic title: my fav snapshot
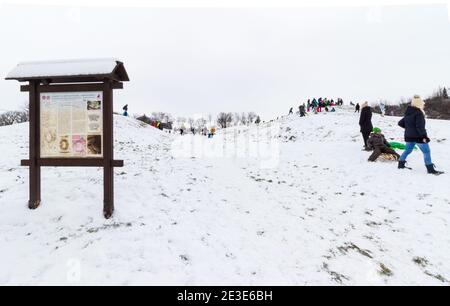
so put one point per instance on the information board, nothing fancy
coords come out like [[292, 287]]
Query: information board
[[71, 125]]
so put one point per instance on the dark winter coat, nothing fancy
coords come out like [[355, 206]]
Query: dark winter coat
[[377, 140], [365, 120], [414, 124]]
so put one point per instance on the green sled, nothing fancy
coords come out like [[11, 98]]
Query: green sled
[[399, 145]]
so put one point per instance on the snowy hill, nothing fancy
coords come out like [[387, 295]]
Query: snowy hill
[[292, 202]]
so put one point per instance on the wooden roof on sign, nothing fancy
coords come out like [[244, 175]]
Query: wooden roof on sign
[[70, 71]]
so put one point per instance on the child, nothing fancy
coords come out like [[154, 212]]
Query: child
[[379, 145], [125, 110]]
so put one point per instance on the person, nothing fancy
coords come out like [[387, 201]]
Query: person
[[302, 110], [308, 105], [291, 111], [378, 143], [365, 122], [416, 134], [314, 105], [333, 110], [258, 120], [382, 108], [212, 133], [357, 108], [319, 106], [125, 110]]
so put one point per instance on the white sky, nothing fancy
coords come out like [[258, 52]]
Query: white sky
[[200, 60]]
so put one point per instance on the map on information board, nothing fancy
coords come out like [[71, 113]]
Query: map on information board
[[71, 124]]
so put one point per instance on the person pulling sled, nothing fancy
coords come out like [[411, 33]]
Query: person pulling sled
[[416, 134]]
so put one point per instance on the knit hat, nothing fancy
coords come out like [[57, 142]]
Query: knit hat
[[376, 130], [418, 102]]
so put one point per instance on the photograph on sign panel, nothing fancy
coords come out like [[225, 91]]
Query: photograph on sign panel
[[79, 145], [94, 122], [65, 146], [94, 145], [94, 105]]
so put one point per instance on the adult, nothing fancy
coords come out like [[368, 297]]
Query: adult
[[416, 134], [357, 108], [365, 122], [302, 110], [319, 105], [382, 108], [314, 105]]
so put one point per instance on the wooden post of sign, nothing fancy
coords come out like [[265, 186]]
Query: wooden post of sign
[[108, 154], [34, 147]]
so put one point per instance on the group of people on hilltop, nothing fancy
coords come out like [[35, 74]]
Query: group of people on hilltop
[[413, 123], [317, 106]]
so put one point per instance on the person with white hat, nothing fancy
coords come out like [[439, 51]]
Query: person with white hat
[[416, 134]]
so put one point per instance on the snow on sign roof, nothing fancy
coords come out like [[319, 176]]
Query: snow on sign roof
[[69, 68]]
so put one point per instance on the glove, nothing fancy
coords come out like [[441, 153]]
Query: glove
[[427, 140]]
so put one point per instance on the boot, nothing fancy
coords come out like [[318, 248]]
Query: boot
[[402, 165], [432, 170]]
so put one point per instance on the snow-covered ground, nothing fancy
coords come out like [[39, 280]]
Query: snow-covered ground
[[299, 205]]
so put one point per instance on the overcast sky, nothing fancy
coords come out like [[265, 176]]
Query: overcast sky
[[199, 61]]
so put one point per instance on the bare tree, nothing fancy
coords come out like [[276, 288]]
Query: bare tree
[[26, 108], [161, 117], [13, 117], [181, 120], [244, 119], [191, 122], [236, 119], [200, 123], [445, 93], [251, 116], [224, 119], [167, 118]]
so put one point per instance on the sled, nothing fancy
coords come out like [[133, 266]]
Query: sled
[[387, 158], [399, 145]]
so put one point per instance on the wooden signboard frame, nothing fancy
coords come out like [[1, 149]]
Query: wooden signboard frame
[[63, 84]]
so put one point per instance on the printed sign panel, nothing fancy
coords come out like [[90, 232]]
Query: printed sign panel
[[71, 125]]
